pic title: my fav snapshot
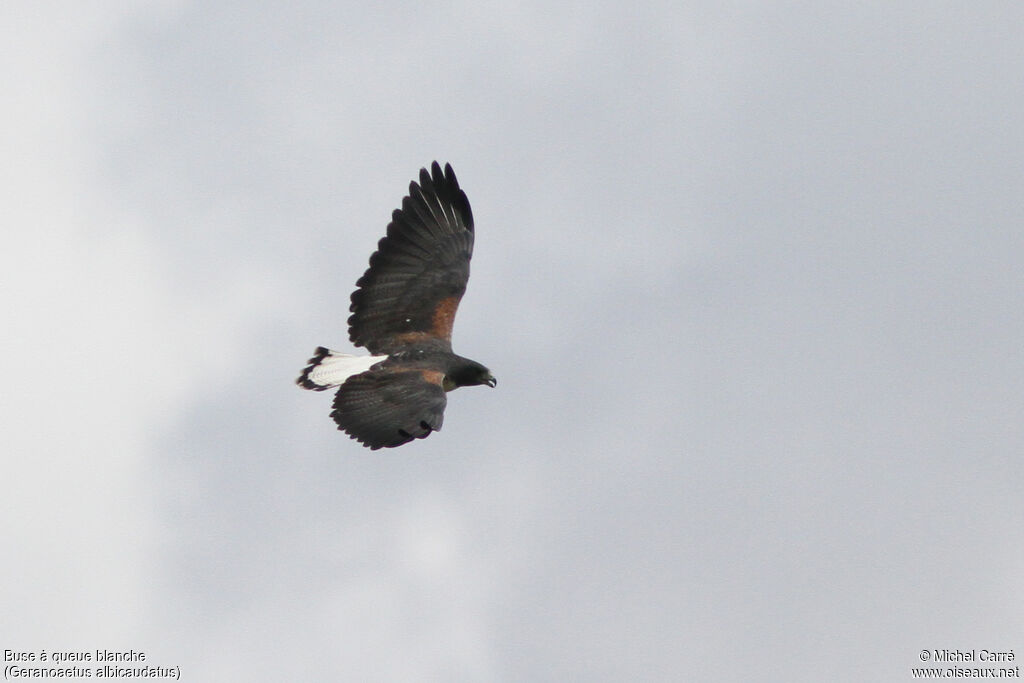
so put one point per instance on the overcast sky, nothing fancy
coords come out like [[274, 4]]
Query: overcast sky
[[749, 275]]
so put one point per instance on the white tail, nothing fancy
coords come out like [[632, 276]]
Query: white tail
[[328, 369]]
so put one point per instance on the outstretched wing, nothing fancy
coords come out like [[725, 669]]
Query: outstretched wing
[[419, 272], [387, 407]]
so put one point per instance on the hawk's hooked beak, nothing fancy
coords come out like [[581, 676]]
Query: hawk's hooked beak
[[491, 381]]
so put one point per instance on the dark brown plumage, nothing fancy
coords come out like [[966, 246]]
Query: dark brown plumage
[[403, 311]]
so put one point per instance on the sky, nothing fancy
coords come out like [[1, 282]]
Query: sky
[[748, 275]]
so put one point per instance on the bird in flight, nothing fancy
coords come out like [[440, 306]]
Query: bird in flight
[[403, 310]]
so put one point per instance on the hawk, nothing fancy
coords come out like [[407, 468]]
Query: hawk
[[403, 310]]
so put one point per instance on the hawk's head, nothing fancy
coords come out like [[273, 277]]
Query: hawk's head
[[470, 373]]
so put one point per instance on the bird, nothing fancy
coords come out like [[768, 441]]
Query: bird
[[403, 310]]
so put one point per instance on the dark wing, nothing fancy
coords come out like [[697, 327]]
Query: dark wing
[[419, 272], [388, 407]]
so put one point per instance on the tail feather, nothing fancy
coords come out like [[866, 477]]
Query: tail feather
[[329, 369]]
